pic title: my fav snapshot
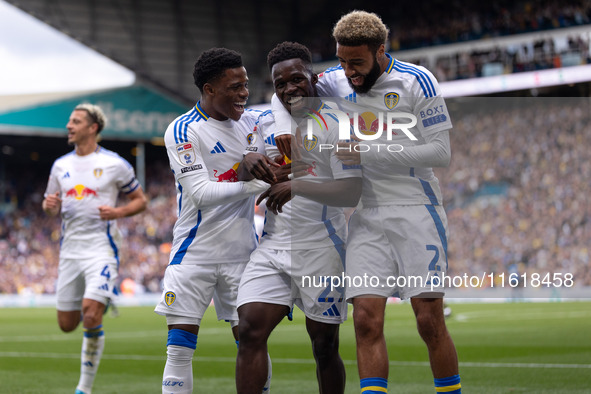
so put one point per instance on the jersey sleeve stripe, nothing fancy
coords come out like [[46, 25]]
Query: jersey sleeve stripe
[[331, 69], [422, 78], [426, 77], [179, 123], [195, 117], [180, 199]]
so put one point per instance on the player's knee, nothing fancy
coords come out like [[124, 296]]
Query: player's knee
[[67, 326], [325, 347], [251, 333], [92, 318], [68, 321], [430, 328], [367, 324]]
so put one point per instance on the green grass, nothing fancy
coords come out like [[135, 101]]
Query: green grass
[[503, 348]]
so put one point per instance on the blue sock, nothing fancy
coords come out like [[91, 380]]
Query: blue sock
[[374, 385], [449, 385]]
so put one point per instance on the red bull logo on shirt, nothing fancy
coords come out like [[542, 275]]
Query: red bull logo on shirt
[[312, 169], [80, 191], [229, 176], [369, 124]]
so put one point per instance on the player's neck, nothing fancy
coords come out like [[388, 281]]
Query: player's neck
[[86, 148], [384, 63]]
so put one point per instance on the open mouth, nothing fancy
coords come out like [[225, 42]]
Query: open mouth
[[357, 81], [295, 102], [240, 106]]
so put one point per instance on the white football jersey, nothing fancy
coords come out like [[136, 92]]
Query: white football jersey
[[403, 88], [307, 224], [198, 146], [85, 183]]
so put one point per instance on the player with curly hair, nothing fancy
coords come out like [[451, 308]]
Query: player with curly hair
[[400, 229], [214, 233]]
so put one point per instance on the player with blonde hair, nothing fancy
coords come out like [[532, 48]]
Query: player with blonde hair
[[400, 228], [83, 186]]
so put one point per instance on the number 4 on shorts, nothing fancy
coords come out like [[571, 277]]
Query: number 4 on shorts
[[105, 272]]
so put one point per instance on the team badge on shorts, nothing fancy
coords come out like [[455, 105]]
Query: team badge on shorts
[[169, 298], [391, 99], [310, 143], [186, 153]]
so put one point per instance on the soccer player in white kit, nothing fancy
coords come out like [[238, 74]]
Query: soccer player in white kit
[[84, 185], [214, 233], [302, 238], [400, 229]]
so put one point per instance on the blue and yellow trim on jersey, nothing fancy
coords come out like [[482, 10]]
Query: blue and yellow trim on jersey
[[182, 123]]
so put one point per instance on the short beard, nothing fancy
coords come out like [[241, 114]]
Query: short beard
[[368, 80]]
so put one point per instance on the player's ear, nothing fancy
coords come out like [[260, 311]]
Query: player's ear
[[381, 51], [94, 126], [314, 78], [208, 89]]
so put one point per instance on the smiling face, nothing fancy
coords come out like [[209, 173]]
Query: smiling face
[[293, 82], [361, 66], [80, 128], [229, 94]]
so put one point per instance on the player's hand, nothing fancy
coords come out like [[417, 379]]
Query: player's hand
[[52, 203], [348, 153], [108, 213], [292, 170], [290, 145], [260, 167], [277, 195]]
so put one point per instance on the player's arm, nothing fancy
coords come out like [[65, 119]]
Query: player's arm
[[284, 124], [52, 203], [338, 193], [436, 152], [137, 203], [206, 192]]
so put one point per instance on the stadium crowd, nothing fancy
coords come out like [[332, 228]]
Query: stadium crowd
[[441, 22], [538, 219]]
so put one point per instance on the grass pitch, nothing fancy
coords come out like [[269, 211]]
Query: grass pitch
[[503, 348]]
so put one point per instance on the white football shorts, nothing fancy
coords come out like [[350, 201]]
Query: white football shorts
[[94, 278], [397, 250], [189, 288], [297, 277]]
